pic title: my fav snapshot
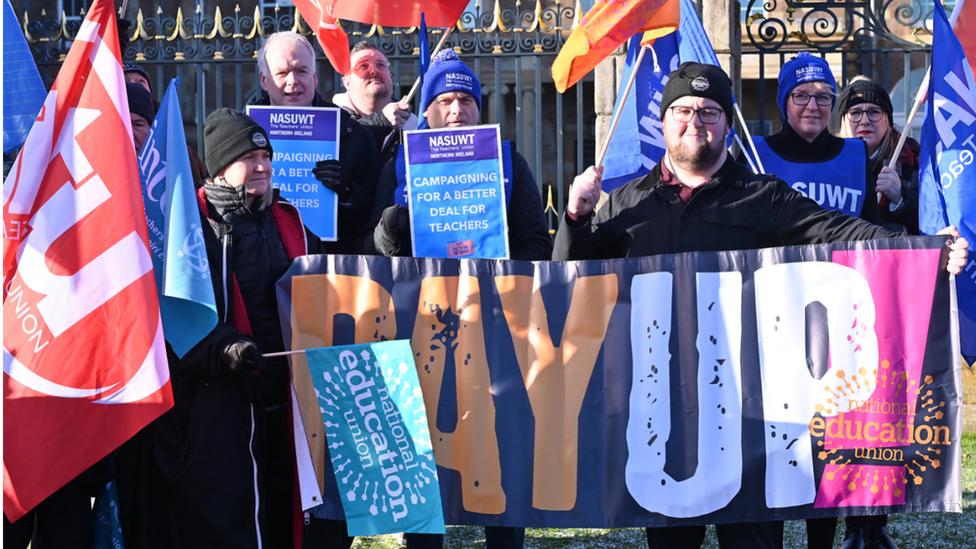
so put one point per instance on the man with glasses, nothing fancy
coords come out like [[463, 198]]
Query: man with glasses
[[832, 171], [699, 199], [369, 98]]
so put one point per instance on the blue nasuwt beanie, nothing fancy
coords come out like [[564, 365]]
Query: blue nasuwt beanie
[[447, 73], [800, 70]]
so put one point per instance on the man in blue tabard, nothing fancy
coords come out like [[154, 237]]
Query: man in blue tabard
[[832, 171], [451, 97]]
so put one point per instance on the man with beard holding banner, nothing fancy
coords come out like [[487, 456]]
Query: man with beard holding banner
[[699, 199]]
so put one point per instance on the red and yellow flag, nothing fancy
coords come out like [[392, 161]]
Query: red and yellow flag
[[607, 25]]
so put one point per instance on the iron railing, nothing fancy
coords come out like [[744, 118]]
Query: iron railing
[[510, 49]]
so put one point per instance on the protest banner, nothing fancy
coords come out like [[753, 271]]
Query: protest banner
[[775, 384], [456, 192], [300, 137], [373, 411]]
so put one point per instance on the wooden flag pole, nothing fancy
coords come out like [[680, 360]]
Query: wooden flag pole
[[616, 115], [919, 97], [440, 45]]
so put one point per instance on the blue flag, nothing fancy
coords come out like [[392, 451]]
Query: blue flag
[[23, 89], [379, 440], [693, 42], [947, 176], [424, 65], [186, 296], [637, 144]]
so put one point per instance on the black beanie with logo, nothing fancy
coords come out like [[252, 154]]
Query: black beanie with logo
[[699, 80], [229, 135]]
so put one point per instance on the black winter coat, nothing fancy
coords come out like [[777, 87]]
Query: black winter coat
[[736, 210], [201, 474], [904, 218], [360, 162]]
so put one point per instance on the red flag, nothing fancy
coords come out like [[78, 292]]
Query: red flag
[[604, 28], [335, 44], [84, 361], [400, 13], [965, 29]]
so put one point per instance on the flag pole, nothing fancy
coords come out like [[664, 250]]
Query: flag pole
[[284, 353], [616, 115], [752, 165], [416, 84], [742, 122], [923, 90], [919, 97]]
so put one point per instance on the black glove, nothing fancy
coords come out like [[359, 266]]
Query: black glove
[[329, 172], [123, 26], [243, 356], [392, 234]]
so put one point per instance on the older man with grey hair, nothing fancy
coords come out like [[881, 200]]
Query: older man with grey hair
[[287, 73]]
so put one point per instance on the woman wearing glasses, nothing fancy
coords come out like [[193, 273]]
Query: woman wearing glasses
[[832, 171], [864, 110]]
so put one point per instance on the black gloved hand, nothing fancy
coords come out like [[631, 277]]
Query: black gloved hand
[[123, 26], [243, 356], [329, 172], [392, 234]]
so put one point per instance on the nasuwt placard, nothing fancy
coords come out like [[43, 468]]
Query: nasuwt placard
[[786, 383], [456, 192], [300, 137]]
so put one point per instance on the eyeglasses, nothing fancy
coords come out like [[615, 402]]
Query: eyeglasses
[[873, 115], [823, 99], [707, 115]]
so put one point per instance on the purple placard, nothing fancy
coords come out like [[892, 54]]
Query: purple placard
[[297, 123], [459, 146]]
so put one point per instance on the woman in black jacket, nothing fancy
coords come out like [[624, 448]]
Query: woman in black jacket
[[221, 467], [864, 110]]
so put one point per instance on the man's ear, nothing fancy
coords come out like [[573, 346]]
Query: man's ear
[[261, 79], [345, 82]]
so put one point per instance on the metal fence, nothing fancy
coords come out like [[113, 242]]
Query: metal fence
[[888, 41], [511, 50], [511, 47]]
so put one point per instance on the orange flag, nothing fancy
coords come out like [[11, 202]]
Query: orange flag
[[607, 25], [335, 44]]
